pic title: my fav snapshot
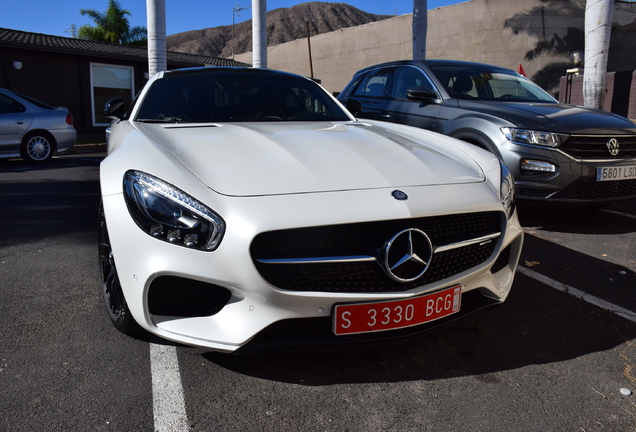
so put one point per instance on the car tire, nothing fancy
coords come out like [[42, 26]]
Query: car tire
[[37, 147], [112, 292]]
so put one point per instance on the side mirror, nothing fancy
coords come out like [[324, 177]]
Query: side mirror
[[114, 109], [423, 94], [354, 107]]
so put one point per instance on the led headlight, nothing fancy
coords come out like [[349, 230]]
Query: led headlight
[[524, 136], [169, 214], [507, 190]]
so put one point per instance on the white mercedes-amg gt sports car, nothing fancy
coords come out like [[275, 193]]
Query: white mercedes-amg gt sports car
[[246, 209]]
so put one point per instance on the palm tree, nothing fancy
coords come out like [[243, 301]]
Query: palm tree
[[112, 26], [420, 26], [599, 15]]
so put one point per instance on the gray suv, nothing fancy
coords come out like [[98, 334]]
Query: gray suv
[[558, 154]]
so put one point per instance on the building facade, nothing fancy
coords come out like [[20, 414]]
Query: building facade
[[81, 75]]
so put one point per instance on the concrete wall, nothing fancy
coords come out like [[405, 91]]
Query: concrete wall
[[337, 55], [498, 32]]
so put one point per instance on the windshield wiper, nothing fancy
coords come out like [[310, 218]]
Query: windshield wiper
[[254, 118]]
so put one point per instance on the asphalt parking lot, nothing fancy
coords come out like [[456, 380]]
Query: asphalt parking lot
[[554, 357]]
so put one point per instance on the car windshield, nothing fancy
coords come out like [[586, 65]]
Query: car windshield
[[212, 95], [492, 84]]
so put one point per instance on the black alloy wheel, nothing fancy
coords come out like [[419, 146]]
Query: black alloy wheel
[[111, 288]]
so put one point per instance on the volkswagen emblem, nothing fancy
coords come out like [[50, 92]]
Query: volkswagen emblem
[[613, 147], [407, 255]]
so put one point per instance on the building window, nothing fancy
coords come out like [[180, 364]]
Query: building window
[[109, 82]]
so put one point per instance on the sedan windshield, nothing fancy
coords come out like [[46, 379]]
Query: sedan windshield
[[236, 96], [484, 83]]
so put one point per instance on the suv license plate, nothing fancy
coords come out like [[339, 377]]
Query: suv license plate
[[616, 173], [394, 314]]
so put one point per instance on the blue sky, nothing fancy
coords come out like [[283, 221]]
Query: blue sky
[[56, 17]]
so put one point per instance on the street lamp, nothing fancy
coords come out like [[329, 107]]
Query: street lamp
[[238, 10]]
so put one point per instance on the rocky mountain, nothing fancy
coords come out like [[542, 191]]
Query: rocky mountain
[[283, 25]]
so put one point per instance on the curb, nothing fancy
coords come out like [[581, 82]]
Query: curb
[[88, 148]]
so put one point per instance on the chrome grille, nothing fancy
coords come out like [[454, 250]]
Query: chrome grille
[[595, 147]]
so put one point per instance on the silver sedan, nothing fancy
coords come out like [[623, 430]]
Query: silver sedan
[[32, 129]]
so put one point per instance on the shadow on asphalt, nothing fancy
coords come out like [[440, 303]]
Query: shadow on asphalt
[[607, 220], [536, 325], [37, 205]]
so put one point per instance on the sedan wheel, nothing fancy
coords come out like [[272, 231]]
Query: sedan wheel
[[36, 148], [111, 288]]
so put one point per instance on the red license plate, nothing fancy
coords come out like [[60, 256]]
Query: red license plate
[[394, 314]]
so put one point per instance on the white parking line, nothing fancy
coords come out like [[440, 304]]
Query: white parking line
[[627, 314], [168, 403]]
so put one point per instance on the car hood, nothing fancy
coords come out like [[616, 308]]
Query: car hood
[[554, 117], [252, 159]]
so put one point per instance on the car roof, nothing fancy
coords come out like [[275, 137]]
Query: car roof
[[431, 62], [219, 69]]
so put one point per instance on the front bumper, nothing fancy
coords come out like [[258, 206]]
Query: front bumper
[[315, 334], [572, 184], [249, 308]]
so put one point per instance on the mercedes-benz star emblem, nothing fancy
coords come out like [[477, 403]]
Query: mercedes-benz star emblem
[[399, 195], [613, 147], [407, 255]]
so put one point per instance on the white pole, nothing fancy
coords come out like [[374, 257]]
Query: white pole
[[156, 11], [419, 28], [259, 33], [599, 15]]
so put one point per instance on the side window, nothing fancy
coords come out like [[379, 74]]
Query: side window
[[352, 86], [465, 86], [10, 106], [374, 84], [406, 77]]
